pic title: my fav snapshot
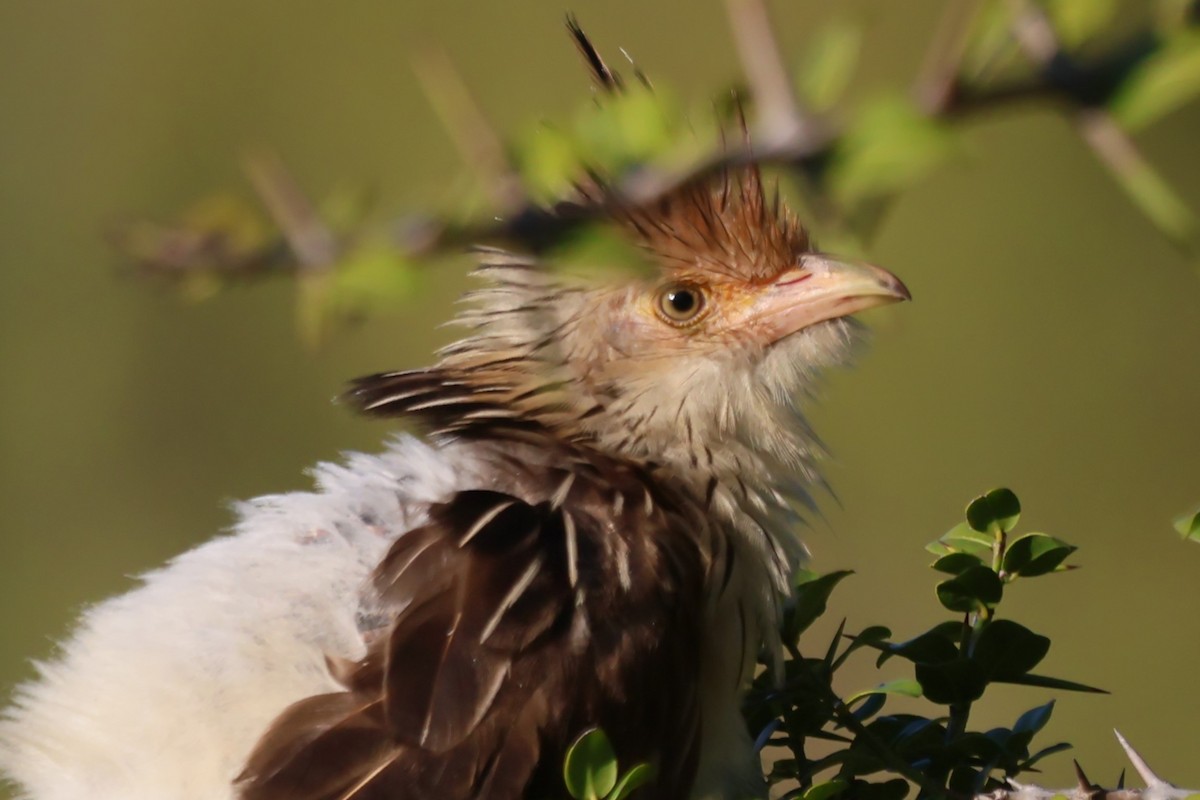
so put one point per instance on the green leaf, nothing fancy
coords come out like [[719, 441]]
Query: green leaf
[[954, 563], [901, 686], [1077, 21], [971, 590], [1189, 526], [938, 549], [875, 636], [998, 510], [1007, 650], [952, 682], [991, 43], [828, 63], [1035, 554], [370, 276], [962, 534], [590, 766], [639, 775], [889, 146], [627, 128], [825, 791], [547, 160], [1050, 683], [935, 646], [1034, 719], [808, 601], [1163, 83]]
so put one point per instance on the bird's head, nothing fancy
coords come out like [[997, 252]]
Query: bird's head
[[700, 365]]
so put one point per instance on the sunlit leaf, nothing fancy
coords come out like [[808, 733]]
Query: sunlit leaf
[[240, 225], [373, 275], [638, 776], [627, 128], [954, 563], [991, 43], [547, 160], [825, 791], [1189, 526], [1035, 554], [889, 145], [1077, 21], [1164, 82], [901, 686], [961, 539], [828, 63], [590, 766], [998, 510]]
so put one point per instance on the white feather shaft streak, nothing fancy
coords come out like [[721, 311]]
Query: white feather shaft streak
[[483, 520], [511, 598], [572, 549]]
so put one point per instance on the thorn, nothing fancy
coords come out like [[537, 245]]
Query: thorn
[[1085, 785], [1139, 763], [312, 242], [469, 128], [1121, 780], [780, 114]]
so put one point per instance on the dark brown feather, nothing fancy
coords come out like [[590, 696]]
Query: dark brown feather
[[605, 78], [511, 635]]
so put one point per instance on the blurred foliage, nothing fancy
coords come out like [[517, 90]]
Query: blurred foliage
[[884, 145], [1189, 526], [953, 664]]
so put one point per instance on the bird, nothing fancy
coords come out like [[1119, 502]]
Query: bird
[[593, 525]]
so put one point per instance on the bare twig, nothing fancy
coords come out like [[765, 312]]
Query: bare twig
[[311, 241], [784, 133], [477, 141], [1116, 150], [1156, 788], [781, 116]]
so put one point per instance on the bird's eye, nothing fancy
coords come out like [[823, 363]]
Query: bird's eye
[[680, 303]]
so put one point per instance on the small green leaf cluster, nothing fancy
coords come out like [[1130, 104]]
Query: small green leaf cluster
[[1189, 525], [613, 135], [591, 772], [953, 664]]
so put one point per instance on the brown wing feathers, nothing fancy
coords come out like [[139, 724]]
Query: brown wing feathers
[[511, 636]]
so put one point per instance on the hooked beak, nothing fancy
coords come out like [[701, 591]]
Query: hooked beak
[[822, 288]]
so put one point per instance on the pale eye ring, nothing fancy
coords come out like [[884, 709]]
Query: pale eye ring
[[681, 303]]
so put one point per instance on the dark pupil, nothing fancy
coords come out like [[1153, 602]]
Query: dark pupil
[[682, 300]]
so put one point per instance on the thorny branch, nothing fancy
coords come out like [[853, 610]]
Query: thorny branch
[[783, 133], [1156, 787]]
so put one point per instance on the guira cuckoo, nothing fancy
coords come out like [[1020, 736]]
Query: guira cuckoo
[[596, 528]]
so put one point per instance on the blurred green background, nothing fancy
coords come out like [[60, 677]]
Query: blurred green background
[[1052, 345]]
